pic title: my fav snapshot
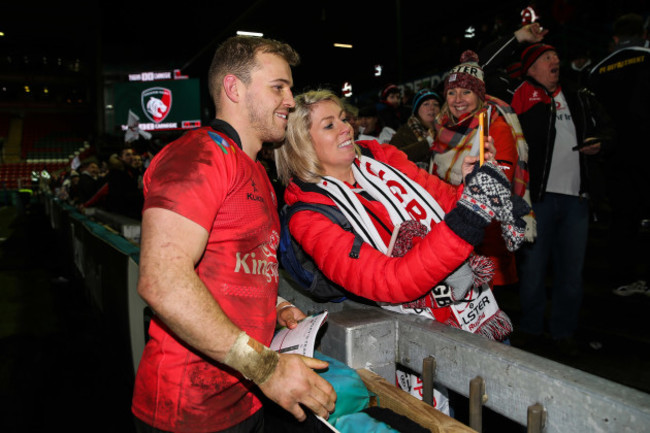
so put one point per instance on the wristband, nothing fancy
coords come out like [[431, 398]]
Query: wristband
[[252, 359], [285, 307], [280, 300]]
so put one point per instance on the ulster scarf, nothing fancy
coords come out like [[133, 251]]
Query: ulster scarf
[[408, 202]]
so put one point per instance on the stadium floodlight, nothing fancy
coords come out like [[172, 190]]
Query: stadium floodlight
[[255, 34]]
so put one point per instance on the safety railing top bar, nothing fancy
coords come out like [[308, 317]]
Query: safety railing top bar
[[574, 401]]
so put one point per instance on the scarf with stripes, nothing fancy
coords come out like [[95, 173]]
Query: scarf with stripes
[[405, 200], [382, 182]]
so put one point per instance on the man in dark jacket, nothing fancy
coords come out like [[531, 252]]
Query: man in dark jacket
[[622, 82], [501, 63], [124, 196], [563, 128], [89, 182]]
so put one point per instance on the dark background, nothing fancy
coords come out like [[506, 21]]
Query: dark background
[[79, 49]]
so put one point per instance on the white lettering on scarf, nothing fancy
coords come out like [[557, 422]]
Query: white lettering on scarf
[[404, 199]]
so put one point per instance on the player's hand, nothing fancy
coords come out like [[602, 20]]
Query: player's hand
[[294, 383]]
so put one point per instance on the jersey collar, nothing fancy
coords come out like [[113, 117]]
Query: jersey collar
[[225, 128]]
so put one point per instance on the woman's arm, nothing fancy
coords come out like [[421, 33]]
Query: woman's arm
[[374, 275]]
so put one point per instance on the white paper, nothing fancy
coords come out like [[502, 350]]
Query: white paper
[[301, 339], [330, 426]]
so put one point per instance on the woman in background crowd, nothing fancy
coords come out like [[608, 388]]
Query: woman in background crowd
[[457, 135], [416, 136]]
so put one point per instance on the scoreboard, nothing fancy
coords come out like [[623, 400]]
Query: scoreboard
[[160, 104]]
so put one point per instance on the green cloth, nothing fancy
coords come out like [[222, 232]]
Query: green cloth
[[352, 396], [361, 422]]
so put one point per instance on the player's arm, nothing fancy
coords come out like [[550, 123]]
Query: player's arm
[[171, 246]]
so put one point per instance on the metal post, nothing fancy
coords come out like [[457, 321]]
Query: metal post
[[428, 372], [536, 418], [477, 398]]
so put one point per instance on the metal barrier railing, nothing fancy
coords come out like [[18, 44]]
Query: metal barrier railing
[[541, 394], [533, 391]]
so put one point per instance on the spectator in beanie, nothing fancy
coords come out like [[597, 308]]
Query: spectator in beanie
[[501, 61], [563, 128], [457, 135], [389, 108], [416, 136]]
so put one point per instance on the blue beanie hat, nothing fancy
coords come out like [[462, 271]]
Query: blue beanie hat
[[424, 95]]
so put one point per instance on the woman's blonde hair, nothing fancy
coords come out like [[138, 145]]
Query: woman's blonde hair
[[297, 156]]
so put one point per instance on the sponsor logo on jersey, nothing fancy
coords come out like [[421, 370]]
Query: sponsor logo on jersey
[[252, 195], [221, 142], [263, 263]]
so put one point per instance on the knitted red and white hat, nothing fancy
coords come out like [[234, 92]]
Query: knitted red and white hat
[[468, 75], [532, 53], [390, 88]]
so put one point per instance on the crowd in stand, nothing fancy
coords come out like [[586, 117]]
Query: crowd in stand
[[113, 184], [560, 145]]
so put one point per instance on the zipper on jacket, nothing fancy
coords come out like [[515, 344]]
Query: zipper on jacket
[[549, 148]]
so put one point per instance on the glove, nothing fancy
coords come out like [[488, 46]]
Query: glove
[[513, 229], [487, 193], [475, 208], [458, 282], [453, 289]]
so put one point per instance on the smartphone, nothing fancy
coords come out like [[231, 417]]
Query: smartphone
[[474, 151], [587, 142]]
